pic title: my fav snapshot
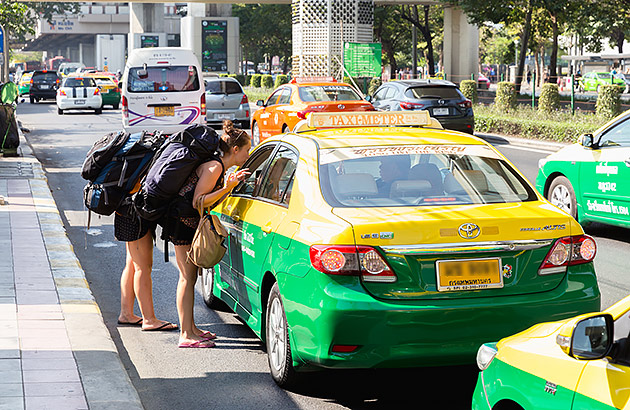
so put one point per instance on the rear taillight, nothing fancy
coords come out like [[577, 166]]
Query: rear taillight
[[351, 260], [61, 92], [302, 114], [567, 251], [244, 100], [410, 106], [203, 104], [31, 82], [465, 104], [125, 107], [97, 91]]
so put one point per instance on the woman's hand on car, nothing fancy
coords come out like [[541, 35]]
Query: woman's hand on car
[[236, 177]]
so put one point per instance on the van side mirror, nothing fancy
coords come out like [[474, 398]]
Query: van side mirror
[[586, 140], [120, 84], [590, 338], [369, 98], [260, 103]]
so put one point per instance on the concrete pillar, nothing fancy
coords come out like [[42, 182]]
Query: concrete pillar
[[461, 46], [146, 18], [209, 10]]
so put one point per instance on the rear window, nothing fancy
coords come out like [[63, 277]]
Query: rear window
[[419, 175], [603, 76], [49, 77], [328, 93], [430, 92], [163, 79], [104, 81], [79, 82], [223, 87]]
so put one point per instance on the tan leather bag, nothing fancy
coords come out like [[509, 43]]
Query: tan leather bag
[[208, 245]]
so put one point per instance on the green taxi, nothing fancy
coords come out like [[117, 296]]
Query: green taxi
[[588, 180], [579, 363], [360, 241], [24, 84], [109, 89], [594, 80]]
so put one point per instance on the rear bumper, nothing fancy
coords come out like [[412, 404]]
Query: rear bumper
[[47, 94], [421, 332], [70, 103], [465, 124]]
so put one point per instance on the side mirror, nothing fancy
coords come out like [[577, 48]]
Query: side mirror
[[260, 103], [588, 338], [120, 84], [586, 140], [369, 98]]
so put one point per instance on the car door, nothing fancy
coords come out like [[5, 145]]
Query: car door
[[233, 211], [604, 383], [379, 98], [266, 117], [280, 118], [605, 193], [262, 214]]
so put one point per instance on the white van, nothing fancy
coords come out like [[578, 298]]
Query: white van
[[162, 89]]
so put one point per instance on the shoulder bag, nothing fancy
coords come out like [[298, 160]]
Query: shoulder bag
[[208, 246]]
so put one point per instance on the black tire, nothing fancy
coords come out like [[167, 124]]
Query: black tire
[[98, 111], [277, 341], [207, 283], [115, 106], [562, 195], [285, 129], [59, 111], [255, 134], [31, 100]]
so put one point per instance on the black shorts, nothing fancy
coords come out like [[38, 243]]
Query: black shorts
[[129, 228], [179, 230]]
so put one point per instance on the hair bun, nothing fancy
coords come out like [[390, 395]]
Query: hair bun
[[228, 126]]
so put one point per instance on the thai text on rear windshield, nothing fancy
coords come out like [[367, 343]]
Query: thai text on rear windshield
[[327, 93], [163, 79], [419, 175]]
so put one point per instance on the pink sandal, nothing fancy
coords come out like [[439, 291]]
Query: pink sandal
[[197, 344], [208, 335]]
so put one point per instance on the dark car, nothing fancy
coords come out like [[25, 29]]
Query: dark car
[[44, 85], [441, 98]]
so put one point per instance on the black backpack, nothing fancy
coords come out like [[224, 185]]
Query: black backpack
[[115, 165], [177, 159]]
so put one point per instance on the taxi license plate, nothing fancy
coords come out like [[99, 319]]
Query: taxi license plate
[[224, 116], [440, 111], [79, 102], [44, 87], [168, 111], [468, 274]]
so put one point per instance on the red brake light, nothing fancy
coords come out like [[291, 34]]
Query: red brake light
[[244, 100], [410, 106], [62, 92], [203, 104], [351, 260], [567, 251], [97, 91], [465, 104], [125, 107]]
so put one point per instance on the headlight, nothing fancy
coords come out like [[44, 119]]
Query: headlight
[[542, 162], [485, 355]]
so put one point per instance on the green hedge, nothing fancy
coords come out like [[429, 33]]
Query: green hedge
[[256, 79], [505, 99], [549, 98], [224, 75], [266, 81], [469, 89], [281, 79], [608, 103]]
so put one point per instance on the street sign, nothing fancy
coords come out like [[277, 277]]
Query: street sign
[[1, 40], [362, 59]]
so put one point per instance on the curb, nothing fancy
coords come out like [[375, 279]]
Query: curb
[[523, 142], [105, 381]]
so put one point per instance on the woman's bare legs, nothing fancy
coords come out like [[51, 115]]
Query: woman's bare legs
[[189, 332], [127, 293]]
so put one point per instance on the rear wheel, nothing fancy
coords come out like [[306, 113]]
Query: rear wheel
[[277, 341], [207, 283], [98, 111], [59, 111], [115, 106], [562, 195], [255, 134]]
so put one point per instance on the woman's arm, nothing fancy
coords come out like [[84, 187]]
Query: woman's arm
[[210, 174]]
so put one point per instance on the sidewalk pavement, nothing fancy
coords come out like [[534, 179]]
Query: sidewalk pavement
[[55, 351]]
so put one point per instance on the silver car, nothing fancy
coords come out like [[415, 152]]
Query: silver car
[[225, 100]]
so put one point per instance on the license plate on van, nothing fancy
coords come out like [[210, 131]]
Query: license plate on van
[[168, 111]]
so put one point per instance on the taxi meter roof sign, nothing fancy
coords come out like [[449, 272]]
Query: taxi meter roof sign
[[367, 119]]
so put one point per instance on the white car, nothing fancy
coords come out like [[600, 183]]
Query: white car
[[79, 93]]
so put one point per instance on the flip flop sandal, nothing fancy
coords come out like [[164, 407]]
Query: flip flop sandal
[[138, 323], [168, 326], [197, 344], [208, 335]]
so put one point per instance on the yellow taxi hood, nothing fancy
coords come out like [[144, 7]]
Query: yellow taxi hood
[[539, 330], [439, 224]]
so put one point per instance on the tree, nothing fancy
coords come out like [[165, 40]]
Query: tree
[[428, 24], [19, 19], [496, 45], [391, 33]]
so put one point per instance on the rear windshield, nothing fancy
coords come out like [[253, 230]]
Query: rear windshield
[[79, 82], [223, 87], [328, 93], [50, 77], [418, 175], [428, 92], [163, 79], [104, 81], [603, 76]]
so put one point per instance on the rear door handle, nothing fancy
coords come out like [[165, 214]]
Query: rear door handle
[[236, 217], [267, 229]]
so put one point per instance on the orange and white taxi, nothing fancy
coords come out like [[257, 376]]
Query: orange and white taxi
[[290, 103]]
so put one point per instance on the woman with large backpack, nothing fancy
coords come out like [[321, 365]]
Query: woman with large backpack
[[206, 184]]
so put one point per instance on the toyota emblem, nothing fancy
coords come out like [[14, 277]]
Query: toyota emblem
[[341, 107], [469, 230]]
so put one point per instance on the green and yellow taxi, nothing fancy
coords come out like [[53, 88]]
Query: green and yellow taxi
[[374, 239], [24, 84], [109, 88], [588, 179], [594, 80], [578, 363]]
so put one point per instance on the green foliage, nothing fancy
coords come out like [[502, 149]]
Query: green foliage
[[281, 79], [374, 84], [549, 98], [240, 78], [496, 45], [528, 123], [608, 103], [256, 79], [506, 96], [224, 75], [469, 89], [20, 19], [255, 94], [266, 81]]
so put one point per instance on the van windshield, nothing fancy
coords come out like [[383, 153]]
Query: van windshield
[[163, 79]]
